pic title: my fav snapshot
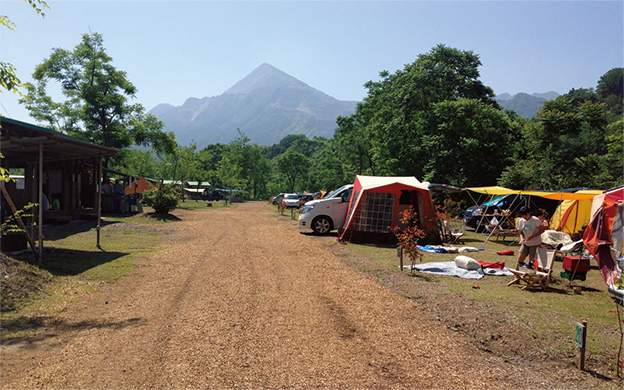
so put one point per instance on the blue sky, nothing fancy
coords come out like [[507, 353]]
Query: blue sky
[[173, 50]]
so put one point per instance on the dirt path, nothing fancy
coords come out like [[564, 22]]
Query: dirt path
[[241, 300]]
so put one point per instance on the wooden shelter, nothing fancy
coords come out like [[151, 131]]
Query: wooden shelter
[[64, 168]]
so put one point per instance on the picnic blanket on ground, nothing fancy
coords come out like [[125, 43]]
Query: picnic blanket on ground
[[450, 269], [447, 249]]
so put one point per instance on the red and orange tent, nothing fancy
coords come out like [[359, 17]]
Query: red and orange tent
[[376, 203], [604, 237]]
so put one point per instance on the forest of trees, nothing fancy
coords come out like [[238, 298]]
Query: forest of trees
[[433, 119]]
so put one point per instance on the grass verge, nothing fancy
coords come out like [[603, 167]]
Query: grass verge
[[31, 293], [526, 327]]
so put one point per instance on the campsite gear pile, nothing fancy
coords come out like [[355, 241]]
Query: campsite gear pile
[[575, 267]]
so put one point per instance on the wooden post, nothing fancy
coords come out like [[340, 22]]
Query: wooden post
[[98, 201], [40, 203], [581, 340]]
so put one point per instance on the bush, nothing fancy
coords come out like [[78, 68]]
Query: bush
[[163, 199]]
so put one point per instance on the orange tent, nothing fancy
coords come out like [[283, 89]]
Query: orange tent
[[138, 186]]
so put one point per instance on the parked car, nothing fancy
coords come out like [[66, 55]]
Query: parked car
[[214, 195], [327, 214], [512, 202], [305, 198], [291, 200], [278, 198]]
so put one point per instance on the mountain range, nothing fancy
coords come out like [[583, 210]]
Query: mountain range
[[266, 106], [524, 104]]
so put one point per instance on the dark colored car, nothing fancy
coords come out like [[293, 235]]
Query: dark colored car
[[512, 202], [303, 198], [277, 198], [214, 195]]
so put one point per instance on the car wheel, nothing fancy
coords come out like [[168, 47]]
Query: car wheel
[[321, 225]]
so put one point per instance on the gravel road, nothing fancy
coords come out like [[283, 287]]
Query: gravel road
[[240, 299]]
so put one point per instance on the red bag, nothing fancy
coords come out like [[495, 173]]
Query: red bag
[[494, 265], [506, 253]]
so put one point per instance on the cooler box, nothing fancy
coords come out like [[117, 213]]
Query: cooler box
[[575, 263]]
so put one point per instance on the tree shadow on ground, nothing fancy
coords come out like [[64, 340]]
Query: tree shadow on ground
[[66, 262], [162, 217], [53, 326], [59, 232]]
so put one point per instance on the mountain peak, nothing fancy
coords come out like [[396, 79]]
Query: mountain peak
[[265, 75]]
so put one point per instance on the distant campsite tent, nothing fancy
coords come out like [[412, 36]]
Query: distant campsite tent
[[138, 185], [604, 237], [375, 206], [573, 215]]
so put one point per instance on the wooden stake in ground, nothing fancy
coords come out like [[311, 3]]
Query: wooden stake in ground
[[580, 339]]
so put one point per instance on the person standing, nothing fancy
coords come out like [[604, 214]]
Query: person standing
[[530, 229]]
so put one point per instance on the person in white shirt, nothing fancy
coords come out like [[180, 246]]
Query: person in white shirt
[[531, 229]]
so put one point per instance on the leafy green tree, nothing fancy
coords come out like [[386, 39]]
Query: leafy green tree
[[254, 166], [139, 163], [293, 166], [402, 126], [97, 107], [229, 174], [566, 146], [8, 73], [462, 130], [611, 89], [327, 169]]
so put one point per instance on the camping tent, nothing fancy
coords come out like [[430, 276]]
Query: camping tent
[[604, 236], [573, 215], [375, 206]]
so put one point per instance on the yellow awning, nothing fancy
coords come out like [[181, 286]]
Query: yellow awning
[[581, 195], [493, 190], [555, 195]]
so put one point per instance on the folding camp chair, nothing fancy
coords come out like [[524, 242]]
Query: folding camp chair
[[541, 276], [457, 229]]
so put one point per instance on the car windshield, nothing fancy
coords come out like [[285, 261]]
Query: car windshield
[[493, 202], [291, 196], [333, 194]]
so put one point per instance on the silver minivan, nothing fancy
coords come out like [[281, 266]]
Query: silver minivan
[[327, 214]]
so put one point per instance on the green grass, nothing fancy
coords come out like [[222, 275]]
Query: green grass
[[201, 204], [77, 266], [549, 315]]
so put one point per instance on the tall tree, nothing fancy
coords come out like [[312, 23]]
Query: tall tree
[[294, 167], [401, 126], [611, 89], [567, 145], [97, 107]]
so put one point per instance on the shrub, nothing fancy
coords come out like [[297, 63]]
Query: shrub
[[163, 199], [410, 234]]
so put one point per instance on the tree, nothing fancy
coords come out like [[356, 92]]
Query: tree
[[254, 167], [402, 125], [8, 73], [229, 174], [611, 89], [463, 133], [611, 83], [97, 107], [293, 166], [567, 146]]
